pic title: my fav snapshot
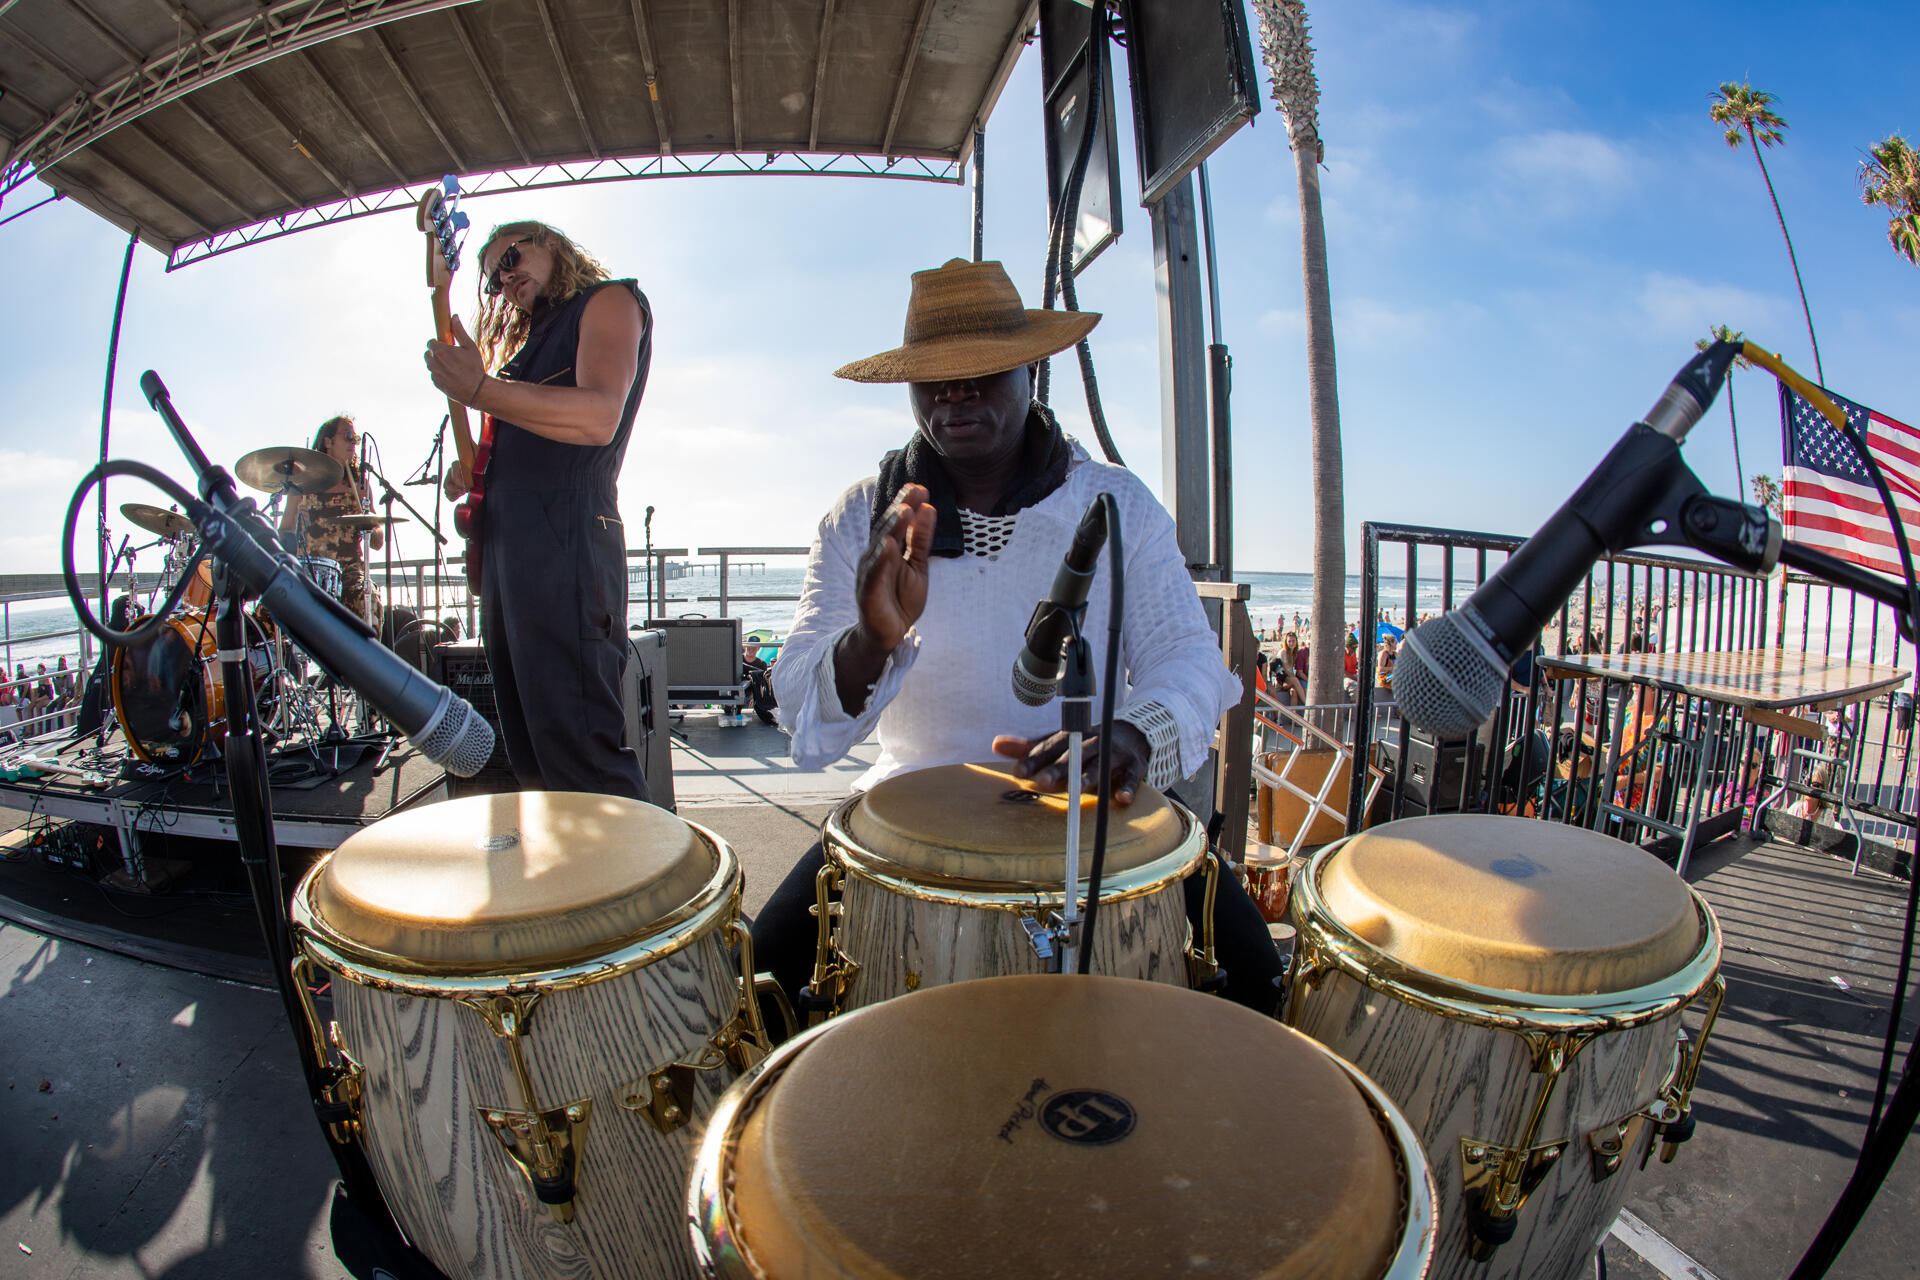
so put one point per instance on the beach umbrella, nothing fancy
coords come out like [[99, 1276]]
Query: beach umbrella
[[1385, 629]]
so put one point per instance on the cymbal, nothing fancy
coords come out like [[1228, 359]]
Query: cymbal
[[362, 520], [288, 467], [168, 524]]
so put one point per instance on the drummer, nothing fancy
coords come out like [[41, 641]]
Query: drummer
[[308, 521], [921, 582]]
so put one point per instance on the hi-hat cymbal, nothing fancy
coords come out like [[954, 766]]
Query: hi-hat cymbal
[[362, 520], [289, 467], [168, 524]]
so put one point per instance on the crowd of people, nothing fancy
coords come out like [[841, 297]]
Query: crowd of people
[[25, 700]]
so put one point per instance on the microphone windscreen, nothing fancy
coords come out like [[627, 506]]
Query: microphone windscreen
[[1032, 692], [457, 738], [1445, 680]]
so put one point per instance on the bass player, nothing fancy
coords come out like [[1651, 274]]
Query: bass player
[[552, 550]]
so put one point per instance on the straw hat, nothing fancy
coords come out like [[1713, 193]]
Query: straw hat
[[965, 320]]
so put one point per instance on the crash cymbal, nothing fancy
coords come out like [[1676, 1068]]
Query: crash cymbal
[[362, 520], [168, 524], [284, 466]]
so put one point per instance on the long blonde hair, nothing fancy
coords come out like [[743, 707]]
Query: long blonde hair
[[503, 326]]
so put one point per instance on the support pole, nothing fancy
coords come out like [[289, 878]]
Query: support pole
[[1186, 449], [979, 192], [106, 408], [1219, 393]]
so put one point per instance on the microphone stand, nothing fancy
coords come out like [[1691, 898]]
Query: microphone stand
[[246, 761], [649, 529], [1076, 717]]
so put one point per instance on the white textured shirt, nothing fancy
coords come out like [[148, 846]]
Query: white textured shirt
[[946, 690]]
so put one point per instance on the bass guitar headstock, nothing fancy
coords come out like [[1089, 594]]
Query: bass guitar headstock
[[445, 224]]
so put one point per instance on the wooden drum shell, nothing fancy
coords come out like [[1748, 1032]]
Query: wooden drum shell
[[430, 1064], [1460, 1061], [899, 934]]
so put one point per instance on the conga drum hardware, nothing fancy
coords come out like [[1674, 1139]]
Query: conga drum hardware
[[957, 872], [1518, 991], [511, 975]]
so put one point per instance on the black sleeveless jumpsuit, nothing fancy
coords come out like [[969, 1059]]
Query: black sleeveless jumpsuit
[[553, 580]]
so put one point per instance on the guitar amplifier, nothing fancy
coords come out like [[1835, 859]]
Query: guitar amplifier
[[462, 667]]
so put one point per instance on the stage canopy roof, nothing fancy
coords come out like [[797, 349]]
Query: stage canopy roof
[[209, 124]]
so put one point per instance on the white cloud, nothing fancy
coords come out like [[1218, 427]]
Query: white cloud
[[1676, 307], [1559, 173]]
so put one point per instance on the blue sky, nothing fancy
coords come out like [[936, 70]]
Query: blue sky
[[1530, 218]]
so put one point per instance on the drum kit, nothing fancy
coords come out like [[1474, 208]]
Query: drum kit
[[546, 1034], [167, 692]]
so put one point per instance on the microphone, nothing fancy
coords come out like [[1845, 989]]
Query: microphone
[[1452, 670], [1042, 660], [444, 728]]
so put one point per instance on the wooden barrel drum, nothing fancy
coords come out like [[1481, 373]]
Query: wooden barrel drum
[[1516, 987], [1058, 1126], [949, 873], [535, 1007]]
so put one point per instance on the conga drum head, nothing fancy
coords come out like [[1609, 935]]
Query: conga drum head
[[506, 884], [979, 822], [1052, 1126], [1512, 904]]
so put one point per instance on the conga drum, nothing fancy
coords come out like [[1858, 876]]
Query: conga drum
[[957, 872], [1516, 986], [534, 1008], [1058, 1126]]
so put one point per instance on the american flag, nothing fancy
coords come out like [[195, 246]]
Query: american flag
[[1831, 502]]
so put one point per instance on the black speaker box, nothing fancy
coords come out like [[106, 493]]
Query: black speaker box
[[1433, 775]]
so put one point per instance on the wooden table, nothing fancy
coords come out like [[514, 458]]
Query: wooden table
[[1764, 684]]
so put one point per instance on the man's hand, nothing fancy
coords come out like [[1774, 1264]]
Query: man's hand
[[890, 585], [890, 589], [1043, 761], [457, 367], [459, 481]]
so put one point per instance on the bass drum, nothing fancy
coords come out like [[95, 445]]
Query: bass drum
[[947, 874], [534, 1008], [167, 690], [1058, 1126], [1516, 986]]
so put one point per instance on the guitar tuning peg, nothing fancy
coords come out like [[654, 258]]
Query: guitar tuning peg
[[450, 184], [460, 221]]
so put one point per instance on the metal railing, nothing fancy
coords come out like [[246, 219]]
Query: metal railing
[[1571, 750]]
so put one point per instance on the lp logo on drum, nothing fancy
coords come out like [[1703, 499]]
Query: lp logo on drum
[[1087, 1116]]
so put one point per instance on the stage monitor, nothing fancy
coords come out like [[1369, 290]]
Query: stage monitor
[[1191, 64], [1065, 26]]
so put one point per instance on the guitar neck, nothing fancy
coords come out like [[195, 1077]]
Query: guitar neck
[[462, 426]]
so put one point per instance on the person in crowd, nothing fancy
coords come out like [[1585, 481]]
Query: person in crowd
[[569, 349], [921, 581], [759, 673]]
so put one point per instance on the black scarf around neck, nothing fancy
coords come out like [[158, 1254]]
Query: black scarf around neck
[[1045, 454]]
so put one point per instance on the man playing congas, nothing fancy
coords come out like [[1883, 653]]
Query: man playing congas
[[921, 582]]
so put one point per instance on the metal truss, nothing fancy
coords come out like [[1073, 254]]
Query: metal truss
[[540, 177], [202, 56]]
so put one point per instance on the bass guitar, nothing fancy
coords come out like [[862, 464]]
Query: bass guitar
[[440, 219]]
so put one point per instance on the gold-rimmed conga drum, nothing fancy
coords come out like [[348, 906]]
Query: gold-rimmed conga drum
[[956, 872], [535, 1008], [1058, 1126], [1516, 987]]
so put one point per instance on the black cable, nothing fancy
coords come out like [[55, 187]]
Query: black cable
[[1116, 602], [1059, 227], [196, 511]]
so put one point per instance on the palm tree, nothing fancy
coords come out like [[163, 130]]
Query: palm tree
[[1768, 493], [1890, 175], [1288, 53], [1746, 110], [1720, 333]]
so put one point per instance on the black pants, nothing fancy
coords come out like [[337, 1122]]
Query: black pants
[[785, 934], [553, 597]]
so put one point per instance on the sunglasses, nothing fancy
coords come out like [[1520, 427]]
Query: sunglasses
[[509, 259]]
